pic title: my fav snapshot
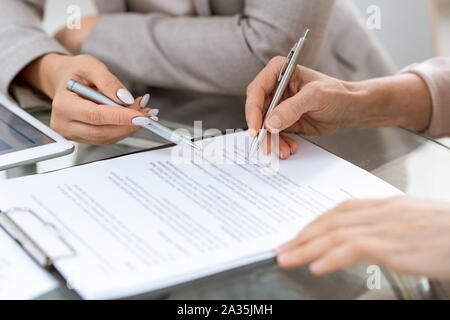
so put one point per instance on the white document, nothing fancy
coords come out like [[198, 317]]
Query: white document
[[145, 222], [20, 277]]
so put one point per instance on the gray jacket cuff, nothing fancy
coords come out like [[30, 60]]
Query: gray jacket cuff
[[14, 59]]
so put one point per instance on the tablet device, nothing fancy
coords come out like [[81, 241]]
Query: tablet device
[[24, 139]]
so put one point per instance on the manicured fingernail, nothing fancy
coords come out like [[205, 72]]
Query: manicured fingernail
[[153, 112], [125, 96], [154, 118], [316, 266], [144, 101], [140, 121], [275, 122]]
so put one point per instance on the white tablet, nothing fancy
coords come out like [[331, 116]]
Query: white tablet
[[24, 139]]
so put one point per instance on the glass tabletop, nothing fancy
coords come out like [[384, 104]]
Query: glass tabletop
[[411, 162]]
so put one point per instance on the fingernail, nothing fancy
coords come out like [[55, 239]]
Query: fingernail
[[316, 267], [144, 101], [125, 96], [284, 258], [153, 112], [275, 122], [140, 121], [252, 133], [282, 248], [154, 118]]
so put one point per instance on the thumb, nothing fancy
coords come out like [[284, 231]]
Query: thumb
[[288, 112], [108, 84]]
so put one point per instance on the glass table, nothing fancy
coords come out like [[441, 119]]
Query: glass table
[[409, 161]]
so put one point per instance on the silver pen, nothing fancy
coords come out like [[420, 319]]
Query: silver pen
[[283, 80], [153, 126]]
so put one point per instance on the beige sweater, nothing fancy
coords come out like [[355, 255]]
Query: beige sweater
[[436, 74], [216, 45], [206, 45]]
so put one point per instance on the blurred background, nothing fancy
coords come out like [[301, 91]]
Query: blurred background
[[411, 30]]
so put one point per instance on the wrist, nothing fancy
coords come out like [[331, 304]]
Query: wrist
[[356, 99], [402, 100], [43, 73], [73, 38]]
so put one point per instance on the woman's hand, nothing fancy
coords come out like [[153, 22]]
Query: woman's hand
[[405, 234], [73, 39], [313, 104], [75, 117]]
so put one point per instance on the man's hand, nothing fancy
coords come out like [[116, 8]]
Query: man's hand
[[73, 39], [405, 234]]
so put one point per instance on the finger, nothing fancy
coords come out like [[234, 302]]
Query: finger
[[284, 149], [316, 248], [282, 146], [99, 135], [137, 104], [266, 145], [368, 251], [144, 101], [293, 145], [147, 112], [79, 109], [99, 75], [254, 110], [350, 207], [258, 91], [289, 111], [360, 212]]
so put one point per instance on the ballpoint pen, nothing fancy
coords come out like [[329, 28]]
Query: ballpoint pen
[[283, 80], [153, 126]]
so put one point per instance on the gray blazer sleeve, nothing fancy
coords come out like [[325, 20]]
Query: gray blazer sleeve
[[21, 38], [219, 54]]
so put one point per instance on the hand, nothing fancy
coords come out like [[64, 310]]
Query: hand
[[405, 234], [77, 118], [313, 104], [73, 39]]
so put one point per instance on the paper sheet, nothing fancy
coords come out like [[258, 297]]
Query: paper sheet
[[145, 221], [20, 277]]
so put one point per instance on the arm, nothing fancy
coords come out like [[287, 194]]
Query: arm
[[436, 74], [21, 38], [212, 54], [316, 104], [36, 59], [402, 100]]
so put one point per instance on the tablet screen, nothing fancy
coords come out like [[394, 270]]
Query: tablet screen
[[16, 134]]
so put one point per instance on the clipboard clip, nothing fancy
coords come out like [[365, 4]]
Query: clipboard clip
[[28, 244]]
